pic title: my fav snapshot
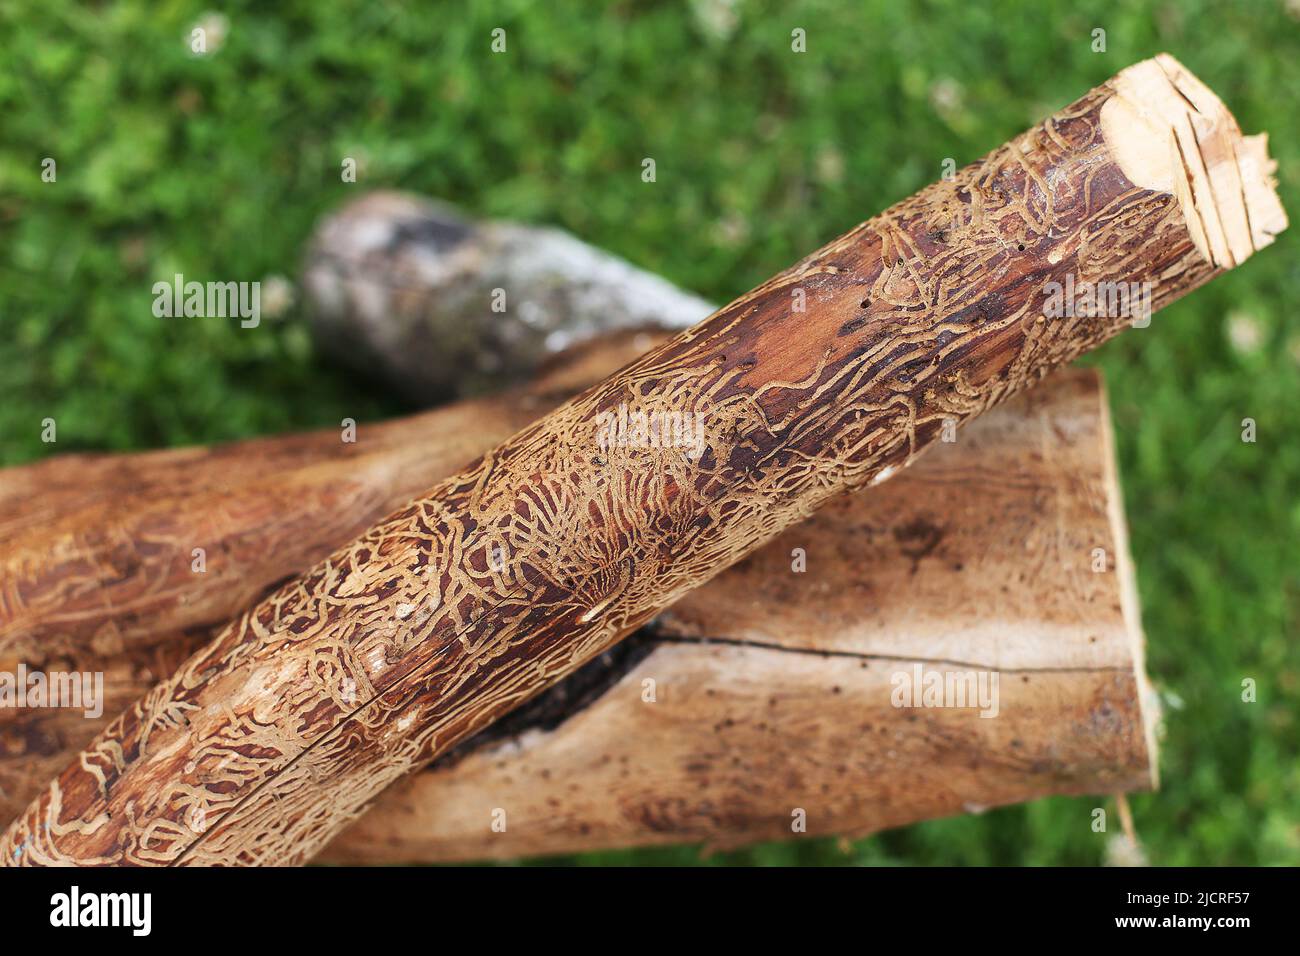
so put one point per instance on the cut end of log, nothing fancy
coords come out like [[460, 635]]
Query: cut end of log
[[1169, 132], [1148, 700]]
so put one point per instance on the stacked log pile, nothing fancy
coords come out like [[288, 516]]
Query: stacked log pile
[[489, 588]]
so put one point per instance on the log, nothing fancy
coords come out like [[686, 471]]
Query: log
[[774, 688], [961, 546], [413, 292], [552, 547], [96, 550], [105, 626]]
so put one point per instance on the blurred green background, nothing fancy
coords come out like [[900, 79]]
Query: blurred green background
[[219, 166]]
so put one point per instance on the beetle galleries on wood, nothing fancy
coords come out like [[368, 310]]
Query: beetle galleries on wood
[[545, 551]]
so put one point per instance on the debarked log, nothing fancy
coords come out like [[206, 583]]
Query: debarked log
[[118, 567], [772, 703], [500, 581], [940, 554]]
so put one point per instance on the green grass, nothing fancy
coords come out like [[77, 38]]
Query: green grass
[[219, 166]]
